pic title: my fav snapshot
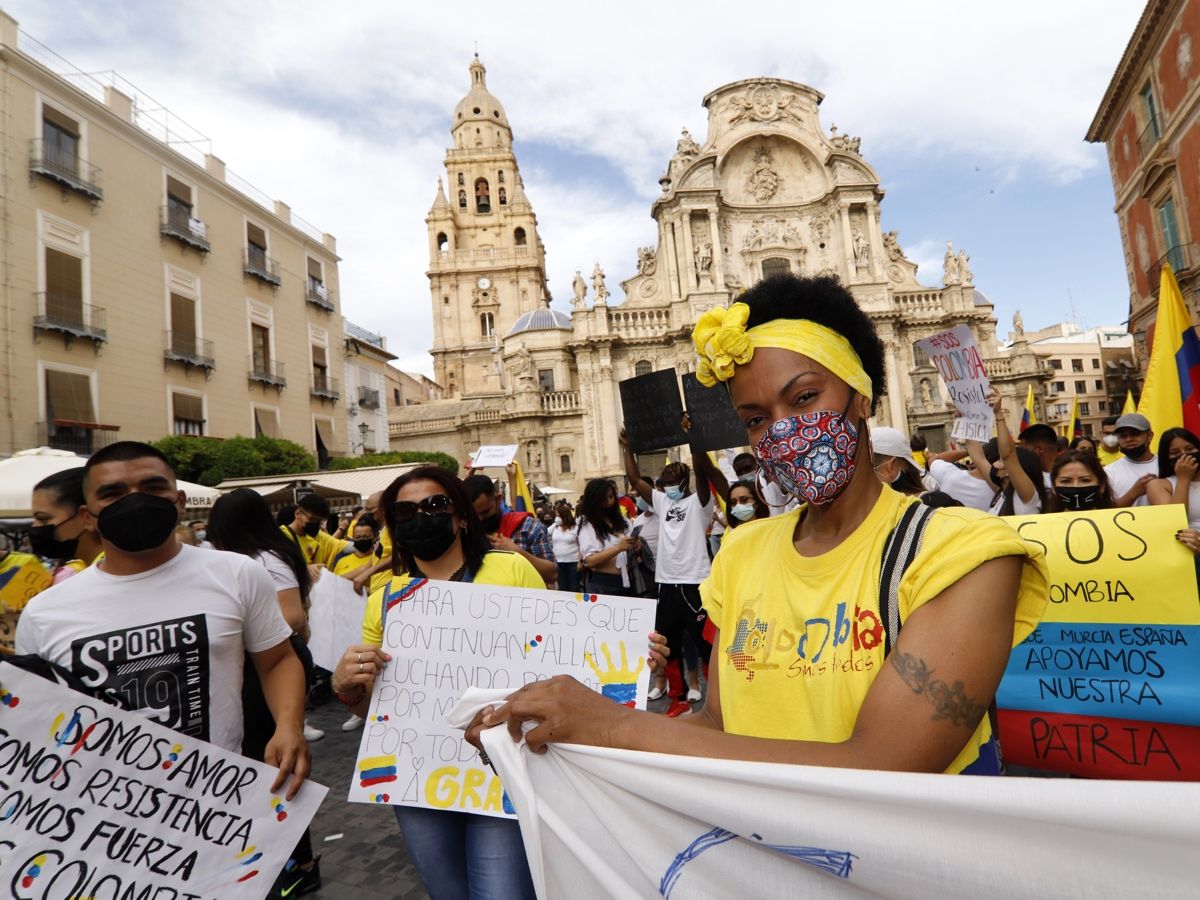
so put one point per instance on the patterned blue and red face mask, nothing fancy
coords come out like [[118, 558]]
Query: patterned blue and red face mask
[[811, 456]]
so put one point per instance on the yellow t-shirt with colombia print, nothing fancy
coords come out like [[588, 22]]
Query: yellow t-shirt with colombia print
[[800, 637]]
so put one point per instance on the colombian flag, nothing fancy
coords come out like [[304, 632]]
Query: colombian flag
[[1171, 396], [523, 501], [1076, 427], [1027, 416], [1129, 406]]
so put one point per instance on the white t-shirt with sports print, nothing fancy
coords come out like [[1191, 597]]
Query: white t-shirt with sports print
[[168, 643], [682, 556]]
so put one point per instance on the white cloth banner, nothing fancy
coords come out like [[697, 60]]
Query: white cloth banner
[[614, 823], [335, 615], [98, 802]]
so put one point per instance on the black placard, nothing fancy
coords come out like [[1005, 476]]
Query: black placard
[[715, 425], [653, 411]]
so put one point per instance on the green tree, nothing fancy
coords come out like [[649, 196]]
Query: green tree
[[210, 461], [396, 457]]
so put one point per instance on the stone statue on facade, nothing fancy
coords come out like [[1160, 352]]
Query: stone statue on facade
[[763, 181], [646, 262], [599, 288], [891, 244], [844, 142], [950, 274], [926, 395], [964, 268], [861, 249], [703, 254], [578, 289], [1018, 326], [686, 146]]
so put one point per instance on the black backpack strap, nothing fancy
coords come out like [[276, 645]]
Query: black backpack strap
[[899, 550]]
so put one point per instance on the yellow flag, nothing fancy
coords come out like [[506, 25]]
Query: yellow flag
[[1073, 425], [1129, 406], [1162, 394], [523, 501], [1028, 417]]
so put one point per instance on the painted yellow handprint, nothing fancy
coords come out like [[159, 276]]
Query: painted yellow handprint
[[620, 684]]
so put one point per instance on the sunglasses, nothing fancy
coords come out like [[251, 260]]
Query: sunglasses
[[433, 505]]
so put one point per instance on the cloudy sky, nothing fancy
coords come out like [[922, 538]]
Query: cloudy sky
[[973, 114]]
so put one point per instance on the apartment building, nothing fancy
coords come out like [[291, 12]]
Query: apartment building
[[145, 290], [1148, 120], [1091, 367], [366, 379]]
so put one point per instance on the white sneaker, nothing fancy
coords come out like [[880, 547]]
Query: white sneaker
[[312, 734], [656, 692], [693, 695], [352, 723]]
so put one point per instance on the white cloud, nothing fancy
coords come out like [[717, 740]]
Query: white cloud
[[344, 112]]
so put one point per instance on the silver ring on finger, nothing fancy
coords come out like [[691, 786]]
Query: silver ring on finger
[[360, 668], [360, 657]]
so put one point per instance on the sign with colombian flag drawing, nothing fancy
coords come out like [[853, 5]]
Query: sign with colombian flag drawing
[[445, 637], [1108, 685]]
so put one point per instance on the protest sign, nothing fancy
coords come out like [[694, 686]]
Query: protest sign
[[715, 424], [335, 615], [22, 577], [1108, 684], [445, 637], [99, 802], [956, 356], [652, 411], [493, 456]]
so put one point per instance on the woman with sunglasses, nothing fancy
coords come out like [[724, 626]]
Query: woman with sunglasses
[[435, 534]]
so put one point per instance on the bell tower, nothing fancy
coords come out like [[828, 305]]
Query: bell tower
[[487, 264]]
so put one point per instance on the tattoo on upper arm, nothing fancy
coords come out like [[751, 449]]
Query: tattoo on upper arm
[[949, 701]]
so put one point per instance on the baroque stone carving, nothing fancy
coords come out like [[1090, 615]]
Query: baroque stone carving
[[770, 232], [950, 266], [734, 284], [964, 269], [703, 254], [578, 289], [686, 146], [1018, 325], [818, 224], [649, 288], [762, 181], [762, 103], [891, 244], [844, 142], [647, 262], [861, 249], [598, 285]]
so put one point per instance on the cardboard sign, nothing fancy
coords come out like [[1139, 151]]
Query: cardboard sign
[[445, 637], [652, 411], [956, 356], [22, 577], [1109, 684], [335, 614], [715, 424], [99, 802], [494, 456]]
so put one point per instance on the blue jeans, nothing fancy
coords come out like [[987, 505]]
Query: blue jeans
[[568, 576], [460, 855]]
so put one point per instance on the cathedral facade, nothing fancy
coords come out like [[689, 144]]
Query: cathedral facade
[[768, 190]]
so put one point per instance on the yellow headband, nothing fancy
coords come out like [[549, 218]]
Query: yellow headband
[[723, 343]]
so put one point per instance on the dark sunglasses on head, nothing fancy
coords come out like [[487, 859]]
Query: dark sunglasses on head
[[433, 505]]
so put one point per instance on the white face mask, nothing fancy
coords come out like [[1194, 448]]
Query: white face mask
[[742, 511], [1110, 441]]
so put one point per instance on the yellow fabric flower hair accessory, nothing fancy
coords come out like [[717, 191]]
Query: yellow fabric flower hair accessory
[[723, 343]]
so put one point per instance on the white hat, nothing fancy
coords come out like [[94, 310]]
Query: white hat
[[890, 442]]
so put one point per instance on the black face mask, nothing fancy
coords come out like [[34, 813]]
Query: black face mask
[[138, 522], [364, 545], [1077, 499], [426, 537], [43, 542], [492, 523], [312, 529], [1134, 452]]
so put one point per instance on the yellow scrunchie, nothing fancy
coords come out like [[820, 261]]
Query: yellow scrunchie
[[723, 343]]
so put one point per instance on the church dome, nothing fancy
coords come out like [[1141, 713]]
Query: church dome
[[544, 319], [480, 105]]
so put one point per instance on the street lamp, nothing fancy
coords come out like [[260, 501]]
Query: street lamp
[[363, 428]]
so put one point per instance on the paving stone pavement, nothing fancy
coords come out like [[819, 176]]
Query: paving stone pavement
[[369, 861]]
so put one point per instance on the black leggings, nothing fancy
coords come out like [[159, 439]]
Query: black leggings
[[680, 612]]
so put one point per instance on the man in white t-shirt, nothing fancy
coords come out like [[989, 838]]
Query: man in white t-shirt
[[682, 560], [162, 628], [969, 488], [1129, 476]]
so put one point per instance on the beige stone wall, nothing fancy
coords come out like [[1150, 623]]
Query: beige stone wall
[[128, 271]]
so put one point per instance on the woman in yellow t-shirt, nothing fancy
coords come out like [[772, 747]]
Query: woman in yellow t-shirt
[[437, 535], [801, 670]]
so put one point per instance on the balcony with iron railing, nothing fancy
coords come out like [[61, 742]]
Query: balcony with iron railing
[[67, 169], [77, 437], [178, 222], [186, 348], [257, 264], [368, 397], [324, 388], [267, 371], [1183, 259], [1149, 137], [70, 316], [318, 295]]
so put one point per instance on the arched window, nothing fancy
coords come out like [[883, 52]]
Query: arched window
[[443, 243], [642, 367], [483, 196], [503, 197], [462, 199], [775, 266], [461, 180], [500, 177], [564, 464], [920, 357], [519, 237], [487, 325]]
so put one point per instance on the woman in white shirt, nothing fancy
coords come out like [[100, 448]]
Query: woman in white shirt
[[565, 538], [604, 540], [1016, 472], [1179, 480]]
